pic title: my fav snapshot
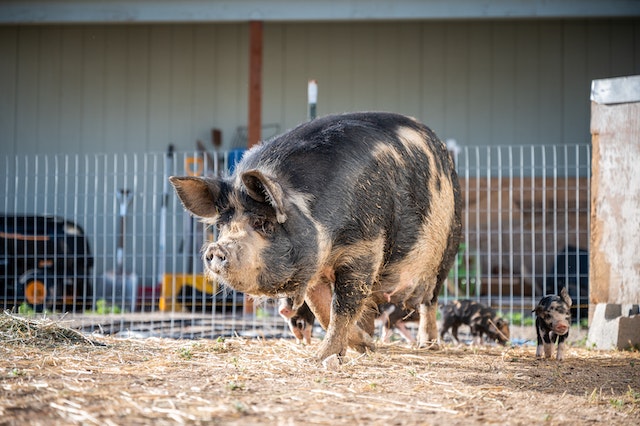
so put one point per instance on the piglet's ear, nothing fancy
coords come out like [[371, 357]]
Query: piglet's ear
[[264, 189], [565, 296], [198, 195]]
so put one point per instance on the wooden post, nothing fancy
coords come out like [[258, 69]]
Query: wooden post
[[615, 191], [614, 270], [255, 83], [255, 104]]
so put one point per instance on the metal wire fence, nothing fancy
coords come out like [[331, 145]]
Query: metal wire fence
[[103, 239]]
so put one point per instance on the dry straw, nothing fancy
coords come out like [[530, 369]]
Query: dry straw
[[55, 375]]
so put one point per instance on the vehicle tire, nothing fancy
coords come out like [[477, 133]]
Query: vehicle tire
[[36, 291]]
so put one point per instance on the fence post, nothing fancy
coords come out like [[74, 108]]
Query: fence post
[[614, 293]]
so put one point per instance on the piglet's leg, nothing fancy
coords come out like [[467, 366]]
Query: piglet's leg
[[306, 334], [543, 339], [548, 345], [402, 328], [427, 327], [561, 347]]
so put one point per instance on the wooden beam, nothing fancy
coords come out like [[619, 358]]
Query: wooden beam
[[255, 82]]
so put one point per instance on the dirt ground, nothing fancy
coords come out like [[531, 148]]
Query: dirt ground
[[56, 376]]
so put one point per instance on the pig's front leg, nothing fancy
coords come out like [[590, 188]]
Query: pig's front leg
[[347, 303], [544, 344], [561, 346]]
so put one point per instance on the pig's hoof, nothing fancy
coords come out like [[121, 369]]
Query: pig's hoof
[[432, 345], [332, 362], [327, 351], [364, 346]]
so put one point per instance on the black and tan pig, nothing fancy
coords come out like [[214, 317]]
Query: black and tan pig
[[344, 212]]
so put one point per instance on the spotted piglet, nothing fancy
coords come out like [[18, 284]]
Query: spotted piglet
[[553, 318], [300, 321], [481, 319]]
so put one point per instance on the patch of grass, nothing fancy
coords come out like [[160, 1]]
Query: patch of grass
[[235, 386], [26, 309], [581, 343], [185, 353], [240, 407], [321, 380], [631, 399], [16, 372], [262, 313], [219, 346], [103, 308], [518, 318]]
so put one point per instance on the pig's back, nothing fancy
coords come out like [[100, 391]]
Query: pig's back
[[368, 174]]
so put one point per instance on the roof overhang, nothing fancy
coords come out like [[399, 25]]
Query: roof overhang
[[201, 11]]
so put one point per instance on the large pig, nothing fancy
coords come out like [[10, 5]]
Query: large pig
[[344, 212], [553, 319]]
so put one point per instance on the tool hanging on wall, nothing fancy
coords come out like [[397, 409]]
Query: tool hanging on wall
[[162, 249], [120, 286]]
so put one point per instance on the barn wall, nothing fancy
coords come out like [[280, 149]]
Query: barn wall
[[137, 88]]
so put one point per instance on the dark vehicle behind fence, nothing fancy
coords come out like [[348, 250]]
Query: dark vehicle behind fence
[[45, 262]]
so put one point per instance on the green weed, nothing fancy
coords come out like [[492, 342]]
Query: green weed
[[185, 353], [103, 308]]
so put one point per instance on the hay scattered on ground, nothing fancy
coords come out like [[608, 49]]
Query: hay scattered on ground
[[48, 378], [16, 329]]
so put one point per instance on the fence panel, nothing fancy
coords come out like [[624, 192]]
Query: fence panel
[[103, 239]]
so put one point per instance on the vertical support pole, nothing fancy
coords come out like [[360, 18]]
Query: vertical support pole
[[255, 83], [255, 105], [312, 98]]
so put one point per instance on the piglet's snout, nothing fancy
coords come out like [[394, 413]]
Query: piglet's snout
[[561, 328], [286, 311], [216, 257]]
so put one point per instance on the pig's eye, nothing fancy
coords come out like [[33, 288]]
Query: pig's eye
[[262, 226]]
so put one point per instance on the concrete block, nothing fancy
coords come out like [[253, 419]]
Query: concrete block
[[615, 326]]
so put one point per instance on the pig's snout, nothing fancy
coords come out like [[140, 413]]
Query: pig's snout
[[561, 328], [286, 311], [216, 257]]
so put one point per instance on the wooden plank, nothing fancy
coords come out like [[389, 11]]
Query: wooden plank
[[615, 234]]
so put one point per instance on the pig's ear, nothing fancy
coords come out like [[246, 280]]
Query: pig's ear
[[565, 296], [263, 189], [198, 195]]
